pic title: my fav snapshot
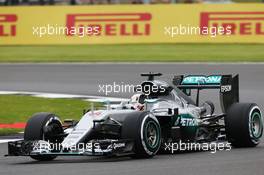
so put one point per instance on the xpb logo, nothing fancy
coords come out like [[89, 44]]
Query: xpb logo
[[241, 23], [113, 24], [8, 25]]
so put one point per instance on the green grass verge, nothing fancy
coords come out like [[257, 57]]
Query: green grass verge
[[134, 52], [18, 108], [9, 131]]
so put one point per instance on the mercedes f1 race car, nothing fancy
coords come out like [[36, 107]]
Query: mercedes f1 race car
[[160, 112]]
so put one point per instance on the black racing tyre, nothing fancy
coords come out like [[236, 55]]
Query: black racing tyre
[[41, 126], [244, 125], [144, 129]]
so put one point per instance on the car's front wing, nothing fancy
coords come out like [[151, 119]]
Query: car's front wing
[[96, 148]]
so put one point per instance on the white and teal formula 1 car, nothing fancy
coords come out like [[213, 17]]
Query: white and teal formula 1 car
[[163, 112]]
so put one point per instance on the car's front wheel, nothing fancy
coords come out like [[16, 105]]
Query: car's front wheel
[[43, 126], [144, 129]]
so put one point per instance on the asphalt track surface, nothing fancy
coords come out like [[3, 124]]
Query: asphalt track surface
[[85, 78]]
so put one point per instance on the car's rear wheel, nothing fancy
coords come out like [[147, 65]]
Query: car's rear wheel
[[144, 129], [244, 125], [43, 126]]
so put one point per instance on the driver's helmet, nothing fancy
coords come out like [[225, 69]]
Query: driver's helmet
[[137, 102]]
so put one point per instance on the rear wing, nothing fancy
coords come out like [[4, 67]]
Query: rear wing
[[227, 84]]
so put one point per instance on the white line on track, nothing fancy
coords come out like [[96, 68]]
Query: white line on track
[[58, 95], [8, 140]]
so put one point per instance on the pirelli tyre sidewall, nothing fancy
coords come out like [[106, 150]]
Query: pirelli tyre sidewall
[[244, 125], [144, 129], [150, 134], [255, 124]]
